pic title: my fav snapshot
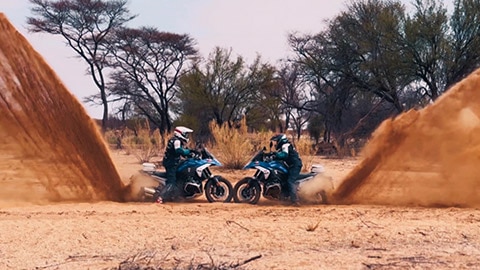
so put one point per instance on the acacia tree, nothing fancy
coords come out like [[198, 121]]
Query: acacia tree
[[84, 24], [147, 66], [369, 33]]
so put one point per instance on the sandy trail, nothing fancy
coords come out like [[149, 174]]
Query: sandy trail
[[103, 234]]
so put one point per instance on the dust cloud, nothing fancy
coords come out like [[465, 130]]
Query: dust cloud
[[133, 191], [50, 149], [429, 157], [309, 191]]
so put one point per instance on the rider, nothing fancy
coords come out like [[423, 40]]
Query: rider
[[176, 148], [286, 151]]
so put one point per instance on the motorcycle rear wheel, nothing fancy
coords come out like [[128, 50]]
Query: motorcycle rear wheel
[[247, 190], [218, 189]]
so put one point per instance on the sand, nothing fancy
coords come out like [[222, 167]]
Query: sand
[[102, 235]]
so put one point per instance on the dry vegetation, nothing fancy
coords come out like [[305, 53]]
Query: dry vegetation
[[232, 146], [142, 142]]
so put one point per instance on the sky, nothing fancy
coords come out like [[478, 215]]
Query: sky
[[248, 27]]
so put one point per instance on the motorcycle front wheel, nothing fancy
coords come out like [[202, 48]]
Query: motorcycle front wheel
[[247, 190], [218, 189]]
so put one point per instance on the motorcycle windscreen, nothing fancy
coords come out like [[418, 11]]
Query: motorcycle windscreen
[[255, 160]]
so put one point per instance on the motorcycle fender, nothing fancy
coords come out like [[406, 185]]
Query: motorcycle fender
[[201, 168], [265, 171]]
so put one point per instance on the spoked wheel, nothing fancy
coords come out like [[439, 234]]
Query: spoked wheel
[[218, 189], [247, 190]]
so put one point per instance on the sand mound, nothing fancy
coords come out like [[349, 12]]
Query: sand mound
[[429, 157], [50, 149]]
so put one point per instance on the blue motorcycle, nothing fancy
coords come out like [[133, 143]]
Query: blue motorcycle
[[269, 180], [194, 178]]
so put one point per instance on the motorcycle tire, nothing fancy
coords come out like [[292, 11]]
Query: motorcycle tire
[[218, 189], [247, 190]]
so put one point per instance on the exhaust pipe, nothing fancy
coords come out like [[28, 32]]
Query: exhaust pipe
[[148, 191]]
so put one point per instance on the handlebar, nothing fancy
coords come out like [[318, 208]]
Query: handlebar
[[269, 156], [194, 154]]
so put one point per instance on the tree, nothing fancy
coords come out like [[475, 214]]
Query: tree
[[320, 69], [84, 24], [369, 34], [148, 64], [464, 53], [265, 112], [315, 127], [358, 53], [425, 47], [295, 96], [374, 61], [223, 89]]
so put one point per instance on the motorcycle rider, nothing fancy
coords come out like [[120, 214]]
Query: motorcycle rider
[[286, 151], [175, 150]]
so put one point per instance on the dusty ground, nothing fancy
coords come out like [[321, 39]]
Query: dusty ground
[[104, 234]]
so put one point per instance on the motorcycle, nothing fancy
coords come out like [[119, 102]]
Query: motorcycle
[[194, 178], [270, 180]]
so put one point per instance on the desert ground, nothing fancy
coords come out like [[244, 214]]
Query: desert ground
[[196, 234]]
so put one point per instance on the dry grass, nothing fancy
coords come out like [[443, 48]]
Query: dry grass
[[232, 146], [149, 260], [306, 150], [311, 227], [235, 146], [144, 146], [260, 140]]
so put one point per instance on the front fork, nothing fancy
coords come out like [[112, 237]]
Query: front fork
[[258, 177], [207, 174]]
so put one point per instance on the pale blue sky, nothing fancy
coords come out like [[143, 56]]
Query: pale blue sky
[[247, 26]]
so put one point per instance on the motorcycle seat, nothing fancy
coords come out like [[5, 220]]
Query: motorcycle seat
[[303, 176]]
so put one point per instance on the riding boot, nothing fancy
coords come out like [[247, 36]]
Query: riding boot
[[285, 192], [293, 193], [157, 195], [293, 185], [169, 192]]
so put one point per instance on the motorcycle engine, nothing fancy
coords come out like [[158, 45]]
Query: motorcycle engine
[[272, 190], [192, 188]]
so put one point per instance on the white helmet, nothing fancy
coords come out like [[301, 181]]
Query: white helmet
[[182, 133]]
